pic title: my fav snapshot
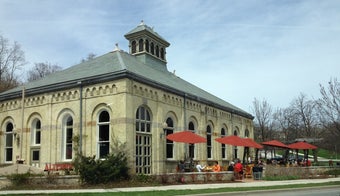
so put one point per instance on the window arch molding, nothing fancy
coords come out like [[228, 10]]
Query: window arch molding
[[169, 127], [143, 140], [35, 123], [8, 128], [66, 120], [223, 133], [210, 133]]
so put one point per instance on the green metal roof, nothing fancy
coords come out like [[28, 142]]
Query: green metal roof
[[119, 64]]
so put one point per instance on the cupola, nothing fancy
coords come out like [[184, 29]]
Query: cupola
[[147, 45]]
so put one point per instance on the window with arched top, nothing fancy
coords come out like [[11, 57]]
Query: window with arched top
[[147, 45], [103, 135], [169, 143], [133, 47], [157, 51], [209, 143], [191, 146], [162, 54], [223, 147], [67, 140], [36, 132], [9, 142], [246, 133], [143, 141], [152, 48], [140, 45]]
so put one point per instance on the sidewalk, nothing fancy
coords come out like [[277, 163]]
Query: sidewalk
[[245, 183]]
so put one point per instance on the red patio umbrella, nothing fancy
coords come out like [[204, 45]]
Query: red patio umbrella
[[275, 143], [252, 143], [232, 140], [302, 146], [186, 137]]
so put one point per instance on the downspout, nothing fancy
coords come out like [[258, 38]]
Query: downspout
[[22, 120], [80, 117]]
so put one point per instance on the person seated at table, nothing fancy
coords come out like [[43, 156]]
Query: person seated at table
[[231, 166], [217, 167], [199, 167], [181, 166], [238, 168]]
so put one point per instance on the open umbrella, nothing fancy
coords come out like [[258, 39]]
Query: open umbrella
[[252, 143], [275, 143], [186, 137], [232, 140], [302, 146]]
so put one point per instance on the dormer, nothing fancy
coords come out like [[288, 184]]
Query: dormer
[[147, 45]]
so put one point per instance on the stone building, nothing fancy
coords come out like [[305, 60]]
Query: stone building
[[116, 99]]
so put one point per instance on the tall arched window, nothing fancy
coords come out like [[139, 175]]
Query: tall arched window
[[103, 147], [157, 51], [143, 141], [235, 147], [147, 45], [162, 53], [223, 148], [152, 48], [209, 145], [169, 143], [246, 133], [67, 138], [36, 132], [133, 47], [140, 45], [9, 143], [192, 146]]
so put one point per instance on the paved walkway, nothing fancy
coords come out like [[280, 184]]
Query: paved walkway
[[245, 183]]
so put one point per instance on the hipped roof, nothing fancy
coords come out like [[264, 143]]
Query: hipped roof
[[119, 64]]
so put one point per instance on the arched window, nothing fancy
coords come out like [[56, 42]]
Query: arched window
[[209, 145], [143, 141], [140, 45], [246, 133], [157, 51], [152, 48], [36, 132], [223, 148], [103, 143], [133, 47], [235, 147], [9, 143], [147, 45], [162, 53], [169, 143], [67, 138], [192, 146]]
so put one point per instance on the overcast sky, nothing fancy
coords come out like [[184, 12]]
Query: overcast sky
[[237, 50]]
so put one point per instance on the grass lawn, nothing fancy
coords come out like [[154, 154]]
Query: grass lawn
[[200, 191]]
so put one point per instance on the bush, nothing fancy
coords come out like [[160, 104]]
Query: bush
[[335, 172], [112, 168], [19, 179]]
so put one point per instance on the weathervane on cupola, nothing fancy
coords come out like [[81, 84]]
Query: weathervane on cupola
[[146, 44]]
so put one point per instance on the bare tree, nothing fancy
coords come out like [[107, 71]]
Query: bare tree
[[263, 119], [12, 59], [41, 70], [89, 57], [286, 122], [329, 110], [304, 111]]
